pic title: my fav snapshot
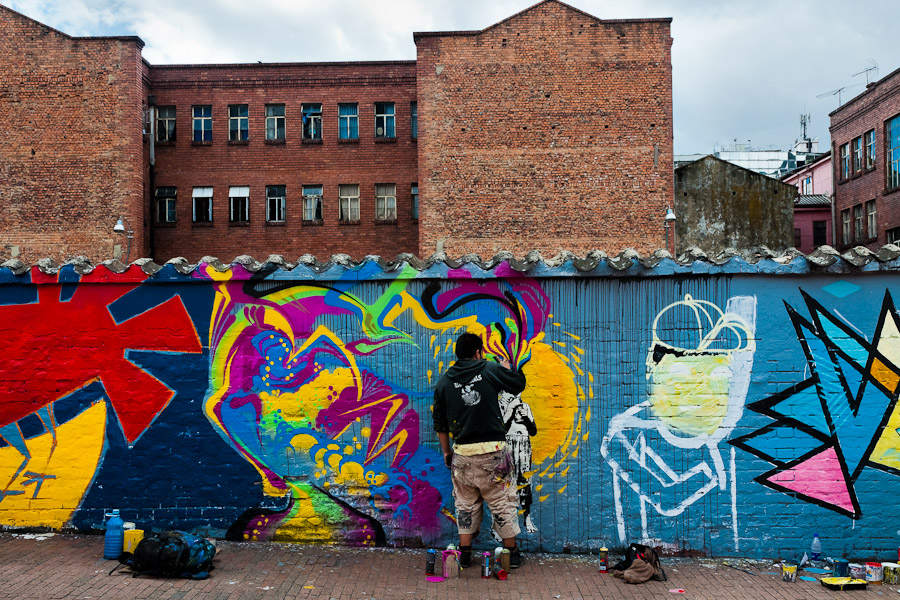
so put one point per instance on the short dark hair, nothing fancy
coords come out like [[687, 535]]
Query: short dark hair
[[468, 345]]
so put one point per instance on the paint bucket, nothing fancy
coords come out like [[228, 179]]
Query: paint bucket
[[891, 573], [874, 573], [841, 568], [789, 573], [131, 540], [857, 571]]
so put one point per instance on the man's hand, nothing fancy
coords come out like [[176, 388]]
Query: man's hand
[[503, 363], [448, 458]]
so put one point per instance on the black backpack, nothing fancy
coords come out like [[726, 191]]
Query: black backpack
[[171, 554]]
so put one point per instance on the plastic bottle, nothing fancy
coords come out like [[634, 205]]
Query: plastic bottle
[[816, 548], [115, 536]]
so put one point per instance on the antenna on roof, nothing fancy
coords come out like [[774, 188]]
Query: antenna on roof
[[804, 122], [872, 66], [836, 92]]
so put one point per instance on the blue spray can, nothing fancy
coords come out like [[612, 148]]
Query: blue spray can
[[114, 539], [486, 565]]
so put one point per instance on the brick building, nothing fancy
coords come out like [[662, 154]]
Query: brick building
[[813, 218], [551, 130], [865, 138]]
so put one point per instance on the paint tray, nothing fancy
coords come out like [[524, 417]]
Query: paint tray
[[843, 583]]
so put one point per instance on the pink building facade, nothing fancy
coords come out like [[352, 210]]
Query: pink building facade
[[813, 219]]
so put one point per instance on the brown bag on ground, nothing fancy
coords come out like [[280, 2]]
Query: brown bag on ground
[[641, 564]]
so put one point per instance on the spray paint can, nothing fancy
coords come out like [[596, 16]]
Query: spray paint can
[[486, 565], [430, 560], [499, 572], [603, 560], [504, 559]]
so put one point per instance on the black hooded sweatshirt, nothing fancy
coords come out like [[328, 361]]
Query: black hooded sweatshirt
[[465, 400]]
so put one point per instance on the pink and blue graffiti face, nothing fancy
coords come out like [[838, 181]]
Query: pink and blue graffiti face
[[298, 387]]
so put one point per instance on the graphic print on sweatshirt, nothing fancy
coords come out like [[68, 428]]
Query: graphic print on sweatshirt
[[470, 395]]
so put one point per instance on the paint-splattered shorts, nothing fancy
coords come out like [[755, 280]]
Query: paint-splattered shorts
[[490, 478]]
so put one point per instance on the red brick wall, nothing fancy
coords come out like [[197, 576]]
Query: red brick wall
[[551, 130], [70, 160], [293, 164], [868, 111]]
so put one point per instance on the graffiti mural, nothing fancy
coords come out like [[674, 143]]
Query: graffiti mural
[[691, 411], [842, 418], [667, 447]]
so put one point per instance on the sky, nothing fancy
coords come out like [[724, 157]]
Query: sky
[[743, 70]]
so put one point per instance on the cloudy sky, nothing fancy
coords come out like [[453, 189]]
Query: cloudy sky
[[742, 70]]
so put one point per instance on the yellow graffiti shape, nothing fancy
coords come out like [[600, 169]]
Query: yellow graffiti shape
[[64, 472], [553, 398], [887, 449]]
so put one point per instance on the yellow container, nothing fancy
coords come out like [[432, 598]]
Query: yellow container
[[132, 537]]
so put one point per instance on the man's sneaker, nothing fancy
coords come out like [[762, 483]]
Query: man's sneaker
[[465, 556], [516, 559]]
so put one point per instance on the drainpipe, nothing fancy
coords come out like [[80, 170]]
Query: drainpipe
[[151, 250]]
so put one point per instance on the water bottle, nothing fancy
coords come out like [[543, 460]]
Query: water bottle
[[115, 536], [816, 548]]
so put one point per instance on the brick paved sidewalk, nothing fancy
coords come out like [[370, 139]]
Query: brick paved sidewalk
[[69, 566]]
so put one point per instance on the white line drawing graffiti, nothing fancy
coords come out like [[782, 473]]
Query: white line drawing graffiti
[[670, 442]]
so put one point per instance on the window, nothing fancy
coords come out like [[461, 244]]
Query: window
[[275, 203], [845, 161], [274, 122], [845, 227], [857, 146], [312, 203], [165, 205], [239, 204], [238, 123], [165, 124], [893, 152], [415, 201], [312, 121], [414, 119], [349, 200], [384, 119], [202, 117], [203, 198], [871, 223], [806, 185], [820, 233], [893, 235], [858, 222], [796, 237], [348, 121], [386, 202], [870, 149]]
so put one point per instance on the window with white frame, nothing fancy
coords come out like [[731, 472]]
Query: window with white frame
[[202, 123], [239, 204], [165, 204], [414, 119], [386, 202], [806, 185], [415, 201], [893, 235], [165, 124], [275, 196], [312, 203], [312, 121], [871, 221], [870, 149], [348, 121], [238, 123], [892, 137], [846, 237], [203, 204], [348, 195], [857, 147], [858, 223], [845, 161], [384, 120], [274, 122]]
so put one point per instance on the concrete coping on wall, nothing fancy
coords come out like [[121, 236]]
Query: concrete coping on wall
[[596, 263]]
